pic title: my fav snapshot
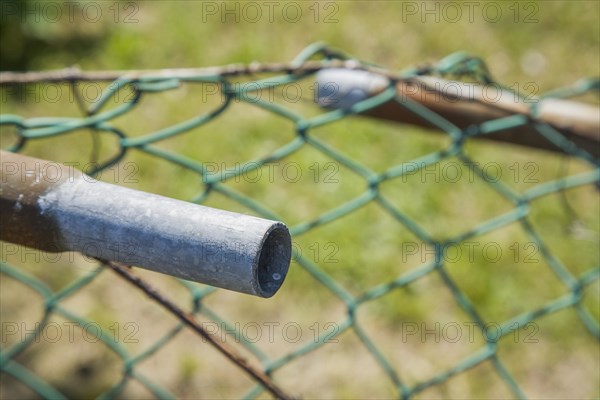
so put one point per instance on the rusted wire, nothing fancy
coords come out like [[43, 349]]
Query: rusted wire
[[125, 272]]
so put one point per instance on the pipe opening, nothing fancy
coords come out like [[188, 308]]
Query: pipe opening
[[274, 260]]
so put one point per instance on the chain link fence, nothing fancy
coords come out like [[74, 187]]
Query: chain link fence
[[575, 291]]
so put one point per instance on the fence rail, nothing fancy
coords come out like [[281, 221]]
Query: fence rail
[[101, 119]]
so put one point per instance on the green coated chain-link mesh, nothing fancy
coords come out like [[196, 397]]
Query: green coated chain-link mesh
[[455, 65]]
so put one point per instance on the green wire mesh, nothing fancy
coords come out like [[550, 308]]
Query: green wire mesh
[[456, 65]]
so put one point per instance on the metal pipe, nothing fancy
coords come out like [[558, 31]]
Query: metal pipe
[[463, 105], [56, 208]]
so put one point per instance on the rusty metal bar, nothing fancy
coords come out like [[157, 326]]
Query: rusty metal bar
[[56, 208], [72, 74], [189, 320], [463, 105]]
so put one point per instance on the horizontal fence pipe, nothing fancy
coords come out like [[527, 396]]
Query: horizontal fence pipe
[[464, 105], [56, 208]]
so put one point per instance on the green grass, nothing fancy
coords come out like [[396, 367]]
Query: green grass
[[362, 249]]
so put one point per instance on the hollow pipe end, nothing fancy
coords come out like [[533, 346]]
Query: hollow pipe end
[[272, 263]]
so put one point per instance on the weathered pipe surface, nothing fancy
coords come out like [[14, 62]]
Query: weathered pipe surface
[[464, 105], [56, 208]]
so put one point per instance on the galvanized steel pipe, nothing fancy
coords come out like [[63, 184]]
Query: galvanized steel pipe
[[56, 208], [464, 104]]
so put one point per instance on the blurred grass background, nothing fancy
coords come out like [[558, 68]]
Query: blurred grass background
[[561, 47]]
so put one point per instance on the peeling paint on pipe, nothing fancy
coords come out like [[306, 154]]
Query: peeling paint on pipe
[[72, 212]]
